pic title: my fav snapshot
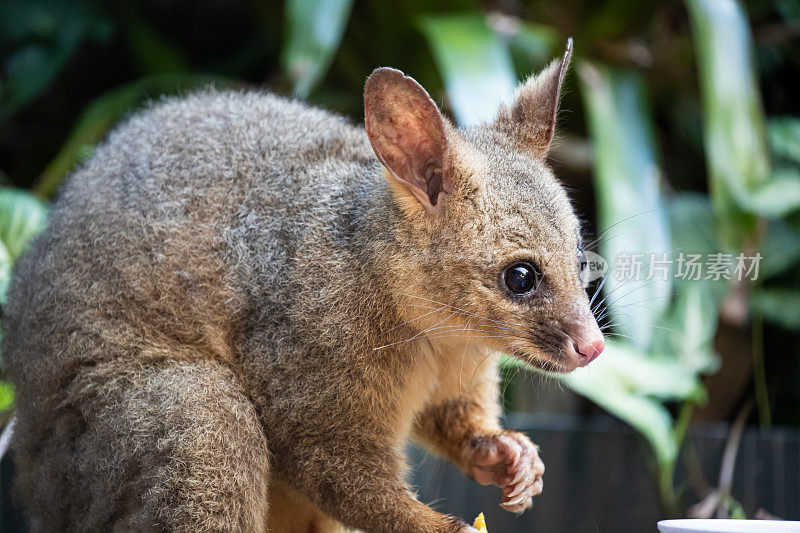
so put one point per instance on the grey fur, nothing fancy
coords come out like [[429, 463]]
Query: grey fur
[[193, 337]]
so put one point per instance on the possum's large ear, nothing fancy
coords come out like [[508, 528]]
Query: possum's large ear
[[532, 116], [408, 135]]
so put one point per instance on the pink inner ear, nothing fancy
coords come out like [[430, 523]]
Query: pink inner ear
[[405, 149], [407, 133]]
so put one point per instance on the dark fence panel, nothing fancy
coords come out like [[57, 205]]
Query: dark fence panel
[[597, 479]]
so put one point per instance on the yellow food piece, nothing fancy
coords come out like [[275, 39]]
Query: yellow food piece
[[480, 524]]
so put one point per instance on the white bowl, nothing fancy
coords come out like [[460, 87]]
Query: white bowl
[[727, 526]]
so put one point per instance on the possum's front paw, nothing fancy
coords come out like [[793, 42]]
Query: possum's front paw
[[510, 460]]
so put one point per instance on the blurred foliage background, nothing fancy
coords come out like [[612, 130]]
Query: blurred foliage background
[[679, 132]]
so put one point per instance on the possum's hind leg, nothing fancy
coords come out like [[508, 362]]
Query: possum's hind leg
[[171, 446]]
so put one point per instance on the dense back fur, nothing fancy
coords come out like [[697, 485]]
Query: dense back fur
[[243, 231]]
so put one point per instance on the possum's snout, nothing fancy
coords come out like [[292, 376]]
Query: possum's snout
[[585, 341]]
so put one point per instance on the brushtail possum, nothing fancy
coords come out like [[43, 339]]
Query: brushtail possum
[[243, 307]]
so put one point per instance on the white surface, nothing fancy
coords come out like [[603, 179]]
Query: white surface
[[727, 526]]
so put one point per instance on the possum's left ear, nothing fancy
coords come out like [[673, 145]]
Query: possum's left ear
[[407, 133], [531, 119]]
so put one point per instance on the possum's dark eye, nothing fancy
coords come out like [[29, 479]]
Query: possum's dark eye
[[521, 277]]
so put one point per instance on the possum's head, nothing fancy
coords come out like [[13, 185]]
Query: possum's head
[[489, 240]]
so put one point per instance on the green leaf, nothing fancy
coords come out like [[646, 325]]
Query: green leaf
[[784, 137], [646, 415], [779, 196], [104, 112], [687, 328], [28, 71], [22, 216], [314, 31], [735, 135], [42, 37], [780, 248], [780, 306], [632, 215], [474, 62], [686, 332], [617, 387], [6, 395], [692, 229], [694, 326], [631, 386], [531, 45], [6, 264], [641, 374], [691, 220]]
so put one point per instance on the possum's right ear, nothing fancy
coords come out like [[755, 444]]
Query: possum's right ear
[[407, 133], [531, 119]]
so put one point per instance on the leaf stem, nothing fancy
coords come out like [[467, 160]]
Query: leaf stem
[[666, 472]]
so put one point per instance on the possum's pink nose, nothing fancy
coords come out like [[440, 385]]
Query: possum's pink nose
[[585, 342], [590, 350]]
